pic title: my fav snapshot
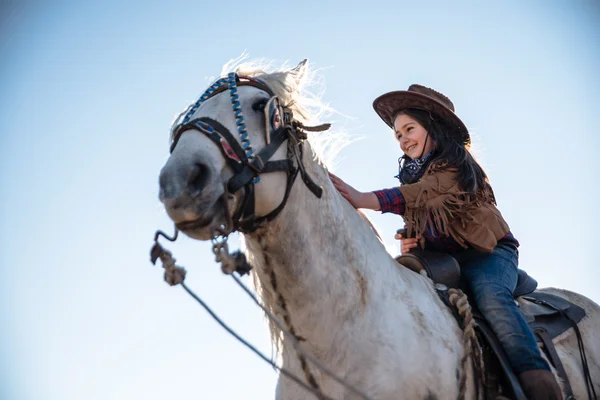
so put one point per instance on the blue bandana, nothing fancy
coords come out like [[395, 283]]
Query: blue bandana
[[410, 171]]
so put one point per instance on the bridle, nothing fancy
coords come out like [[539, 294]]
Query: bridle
[[280, 126]]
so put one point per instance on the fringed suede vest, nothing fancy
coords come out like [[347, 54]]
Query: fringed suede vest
[[437, 201]]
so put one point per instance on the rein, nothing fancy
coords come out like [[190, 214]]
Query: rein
[[175, 275]]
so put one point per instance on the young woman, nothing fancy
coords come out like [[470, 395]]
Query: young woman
[[448, 205]]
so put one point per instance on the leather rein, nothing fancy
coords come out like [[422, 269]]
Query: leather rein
[[280, 127]]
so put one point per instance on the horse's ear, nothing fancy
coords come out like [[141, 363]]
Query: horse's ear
[[299, 71]]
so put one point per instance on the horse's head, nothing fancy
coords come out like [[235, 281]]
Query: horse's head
[[235, 154]]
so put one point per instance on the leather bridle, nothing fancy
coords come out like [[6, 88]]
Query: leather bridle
[[247, 166]]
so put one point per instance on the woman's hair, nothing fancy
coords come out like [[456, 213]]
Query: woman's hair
[[471, 177]]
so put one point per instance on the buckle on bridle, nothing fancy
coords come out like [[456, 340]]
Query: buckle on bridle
[[256, 164]]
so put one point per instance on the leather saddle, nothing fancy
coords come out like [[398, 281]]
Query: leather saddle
[[546, 314], [443, 269]]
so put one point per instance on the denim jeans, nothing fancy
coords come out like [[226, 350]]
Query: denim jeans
[[491, 280]]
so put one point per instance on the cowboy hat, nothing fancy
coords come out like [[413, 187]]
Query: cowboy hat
[[423, 98]]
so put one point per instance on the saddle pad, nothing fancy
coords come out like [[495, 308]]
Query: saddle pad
[[546, 311]]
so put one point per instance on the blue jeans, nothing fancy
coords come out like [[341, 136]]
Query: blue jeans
[[491, 279]]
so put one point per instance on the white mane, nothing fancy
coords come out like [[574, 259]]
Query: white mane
[[303, 94]]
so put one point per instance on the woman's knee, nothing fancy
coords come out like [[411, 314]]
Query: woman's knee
[[493, 297]]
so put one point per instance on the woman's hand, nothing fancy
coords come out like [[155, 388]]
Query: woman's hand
[[353, 196], [357, 199], [407, 243]]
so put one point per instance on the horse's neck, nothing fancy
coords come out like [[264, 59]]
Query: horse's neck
[[323, 260]]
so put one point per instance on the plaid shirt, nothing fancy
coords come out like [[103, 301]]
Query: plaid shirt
[[391, 200]]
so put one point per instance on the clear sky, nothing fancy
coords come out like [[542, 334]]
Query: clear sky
[[89, 88]]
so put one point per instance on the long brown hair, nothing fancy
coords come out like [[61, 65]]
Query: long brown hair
[[471, 177]]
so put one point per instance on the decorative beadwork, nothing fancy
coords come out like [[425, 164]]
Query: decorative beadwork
[[239, 117], [208, 93]]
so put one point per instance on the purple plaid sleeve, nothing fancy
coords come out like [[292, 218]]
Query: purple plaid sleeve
[[391, 200]]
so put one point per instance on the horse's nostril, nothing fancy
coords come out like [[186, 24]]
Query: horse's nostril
[[167, 185], [198, 178]]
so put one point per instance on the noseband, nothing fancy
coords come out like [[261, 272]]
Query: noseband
[[247, 166]]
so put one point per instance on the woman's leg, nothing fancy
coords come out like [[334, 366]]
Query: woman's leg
[[492, 279]]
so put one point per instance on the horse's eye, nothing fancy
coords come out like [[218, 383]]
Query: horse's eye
[[259, 105]]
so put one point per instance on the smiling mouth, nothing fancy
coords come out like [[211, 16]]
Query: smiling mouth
[[408, 149]]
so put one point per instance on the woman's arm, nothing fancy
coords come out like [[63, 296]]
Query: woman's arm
[[391, 201]]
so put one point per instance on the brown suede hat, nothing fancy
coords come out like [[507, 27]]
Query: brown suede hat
[[423, 98]]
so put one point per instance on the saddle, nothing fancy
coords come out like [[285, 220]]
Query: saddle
[[546, 314]]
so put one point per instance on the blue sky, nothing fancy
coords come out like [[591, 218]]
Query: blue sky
[[89, 90]]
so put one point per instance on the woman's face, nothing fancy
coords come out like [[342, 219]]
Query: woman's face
[[412, 137]]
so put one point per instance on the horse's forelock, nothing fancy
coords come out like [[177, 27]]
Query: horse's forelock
[[302, 94]]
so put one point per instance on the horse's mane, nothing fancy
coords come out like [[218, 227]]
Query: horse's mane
[[303, 95]]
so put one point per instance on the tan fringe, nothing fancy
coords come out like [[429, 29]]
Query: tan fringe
[[442, 211]]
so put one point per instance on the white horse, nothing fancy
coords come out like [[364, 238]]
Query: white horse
[[379, 326]]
